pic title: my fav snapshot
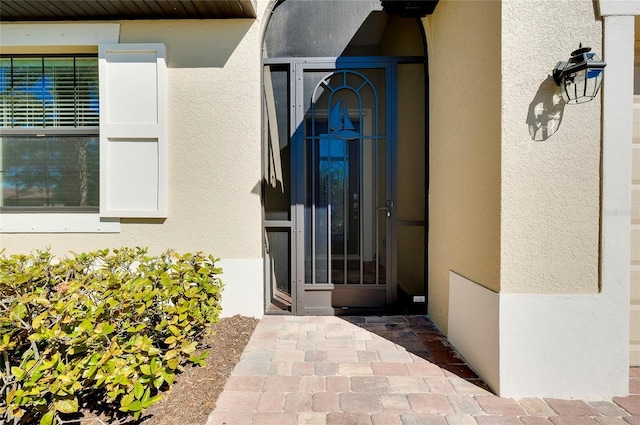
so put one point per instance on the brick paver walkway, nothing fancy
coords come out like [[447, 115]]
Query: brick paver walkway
[[395, 370]]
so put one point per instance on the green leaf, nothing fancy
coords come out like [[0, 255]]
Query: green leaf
[[170, 354], [10, 396], [19, 311], [158, 381], [154, 366], [17, 372], [197, 359], [152, 400], [37, 321], [93, 361], [48, 418], [173, 363], [125, 401], [88, 373], [36, 374], [86, 325], [68, 405], [104, 328], [147, 393], [138, 390], [135, 406]]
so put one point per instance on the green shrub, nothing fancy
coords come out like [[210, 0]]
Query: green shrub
[[121, 323]]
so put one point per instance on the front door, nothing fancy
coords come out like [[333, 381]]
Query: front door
[[335, 169], [345, 197]]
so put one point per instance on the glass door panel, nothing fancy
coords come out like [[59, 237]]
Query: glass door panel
[[277, 189]]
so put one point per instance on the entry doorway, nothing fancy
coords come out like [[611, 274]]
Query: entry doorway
[[332, 139]]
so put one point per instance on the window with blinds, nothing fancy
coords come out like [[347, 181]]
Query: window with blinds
[[49, 144], [49, 92]]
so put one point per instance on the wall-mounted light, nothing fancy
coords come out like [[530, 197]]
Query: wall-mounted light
[[580, 77]]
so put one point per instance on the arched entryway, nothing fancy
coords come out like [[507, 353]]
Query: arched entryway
[[344, 190]]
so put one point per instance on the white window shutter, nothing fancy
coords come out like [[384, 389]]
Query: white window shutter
[[133, 140]]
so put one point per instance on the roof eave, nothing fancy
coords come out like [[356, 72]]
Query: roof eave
[[105, 10]]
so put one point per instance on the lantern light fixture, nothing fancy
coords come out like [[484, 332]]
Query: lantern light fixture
[[580, 77]]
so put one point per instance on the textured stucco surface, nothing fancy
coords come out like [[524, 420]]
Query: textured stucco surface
[[214, 145], [553, 322], [550, 188], [515, 178], [464, 188]]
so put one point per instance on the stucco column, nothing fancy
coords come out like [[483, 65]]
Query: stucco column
[[617, 134], [579, 346]]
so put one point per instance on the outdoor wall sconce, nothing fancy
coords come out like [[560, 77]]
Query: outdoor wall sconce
[[580, 77]]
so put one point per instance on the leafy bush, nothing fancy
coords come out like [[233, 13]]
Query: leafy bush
[[120, 323]]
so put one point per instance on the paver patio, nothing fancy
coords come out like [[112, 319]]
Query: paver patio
[[382, 370]]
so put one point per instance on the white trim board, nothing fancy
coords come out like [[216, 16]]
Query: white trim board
[[51, 222], [243, 291], [562, 346], [619, 7], [42, 34], [527, 345]]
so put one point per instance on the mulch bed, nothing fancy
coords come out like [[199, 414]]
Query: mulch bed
[[194, 393]]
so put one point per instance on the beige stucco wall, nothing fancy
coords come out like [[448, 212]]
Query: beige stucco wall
[[214, 145], [464, 188], [515, 177], [548, 309], [550, 188]]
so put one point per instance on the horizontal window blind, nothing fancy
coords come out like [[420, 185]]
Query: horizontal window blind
[[49, 92]]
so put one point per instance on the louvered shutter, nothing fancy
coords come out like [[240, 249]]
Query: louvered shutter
[[133, 145]]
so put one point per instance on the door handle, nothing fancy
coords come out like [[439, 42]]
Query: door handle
[[388, 207]]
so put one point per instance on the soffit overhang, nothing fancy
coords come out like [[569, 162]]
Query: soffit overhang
[[91, 10]]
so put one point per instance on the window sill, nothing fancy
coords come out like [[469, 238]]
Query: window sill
[[58, 223]]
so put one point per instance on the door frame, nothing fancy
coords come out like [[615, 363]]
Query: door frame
[[300, 110]]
